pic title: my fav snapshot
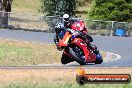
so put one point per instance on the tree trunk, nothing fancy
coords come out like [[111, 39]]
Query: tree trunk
[[5, 6]]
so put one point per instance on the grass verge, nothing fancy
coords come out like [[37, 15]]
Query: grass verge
[[26, 6], [54, 78], [25, 53], [65, 85]]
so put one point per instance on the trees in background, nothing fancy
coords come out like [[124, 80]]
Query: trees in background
[[116, 10], [58, 7], [5, 6]]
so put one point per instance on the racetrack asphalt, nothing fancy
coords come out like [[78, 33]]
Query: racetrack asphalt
[[114, 44]]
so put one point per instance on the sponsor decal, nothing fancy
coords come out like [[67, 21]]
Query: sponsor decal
[[83, 78]]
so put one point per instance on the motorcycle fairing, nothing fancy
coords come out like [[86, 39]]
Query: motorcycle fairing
[[78, 25], [64, 41], [88, 56], [83, 46]]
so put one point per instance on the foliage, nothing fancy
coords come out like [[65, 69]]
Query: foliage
[[7, 5], [58, 7], [117, 10]]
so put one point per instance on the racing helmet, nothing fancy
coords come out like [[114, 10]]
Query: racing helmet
[[66, 17]]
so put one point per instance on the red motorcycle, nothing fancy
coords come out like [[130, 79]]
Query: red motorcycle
[[76, 48]]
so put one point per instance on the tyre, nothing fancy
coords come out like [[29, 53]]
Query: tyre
[[78, 55], [66, 59], [99, 59]]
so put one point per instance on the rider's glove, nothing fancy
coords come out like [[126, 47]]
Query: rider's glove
[[59, 48], [89, 37]]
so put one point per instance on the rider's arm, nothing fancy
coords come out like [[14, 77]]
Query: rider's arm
[[56, 39], [85, 31]]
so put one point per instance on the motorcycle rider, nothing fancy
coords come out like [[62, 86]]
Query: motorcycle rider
[[66, 23], [61, 28]]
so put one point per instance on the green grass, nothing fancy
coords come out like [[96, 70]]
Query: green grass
[[11, 55], [26, 6], [25, 53], [73, 84], [49, 78]]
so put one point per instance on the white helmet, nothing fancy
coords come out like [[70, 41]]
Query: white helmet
[[66, 17]]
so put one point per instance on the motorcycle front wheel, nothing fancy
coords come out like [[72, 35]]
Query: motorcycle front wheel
[[78, 55]]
